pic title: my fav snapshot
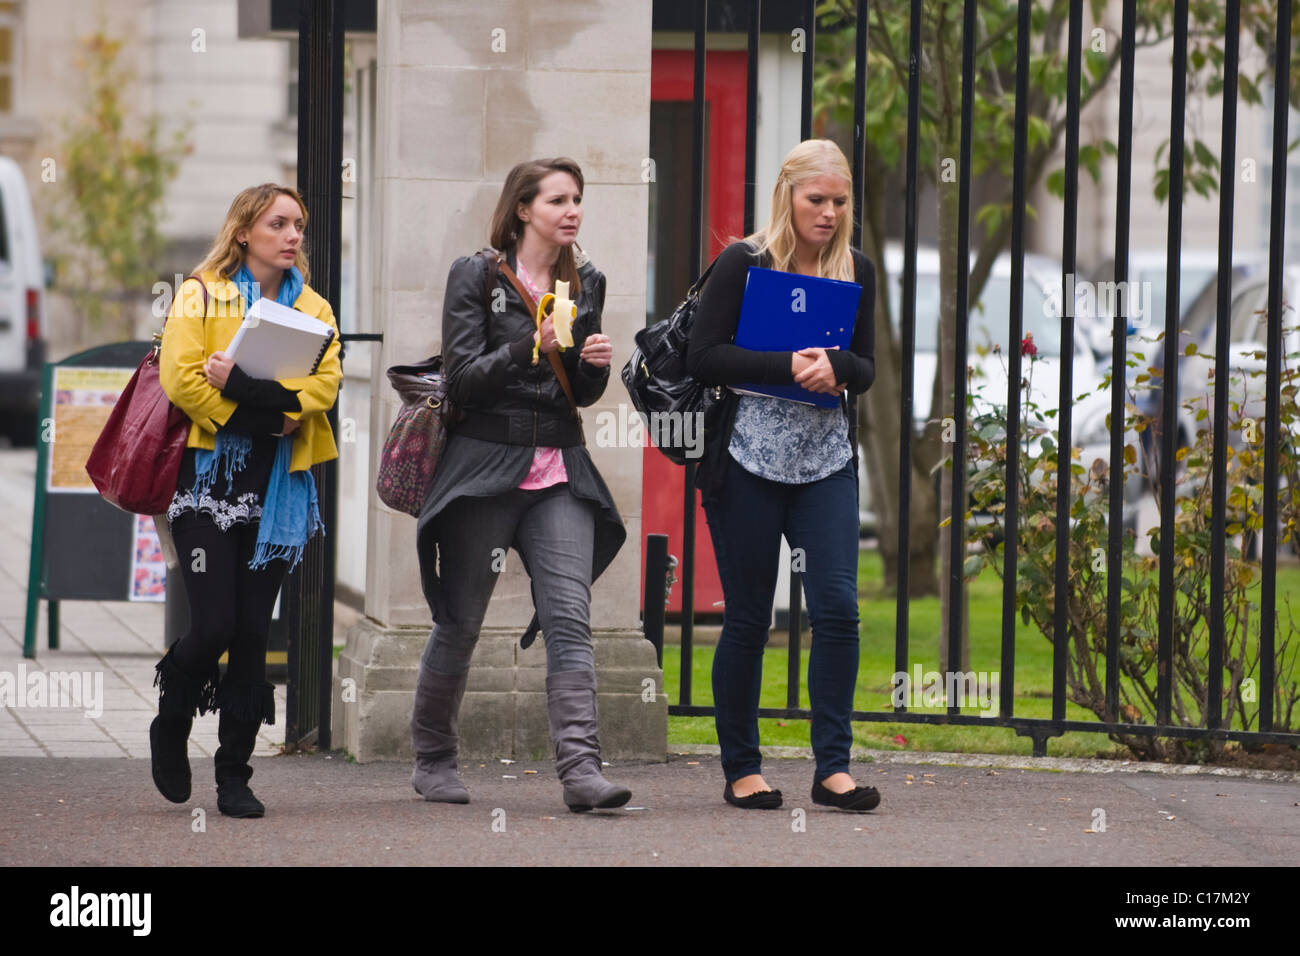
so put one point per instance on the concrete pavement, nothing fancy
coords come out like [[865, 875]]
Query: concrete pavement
[[117, 642]]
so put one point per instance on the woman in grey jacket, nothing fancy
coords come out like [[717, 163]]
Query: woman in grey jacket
[[516, 473]]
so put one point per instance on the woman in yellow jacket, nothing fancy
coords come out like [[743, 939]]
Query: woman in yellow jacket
[[245, 503]]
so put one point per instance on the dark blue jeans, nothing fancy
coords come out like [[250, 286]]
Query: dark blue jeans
[[820, 520]]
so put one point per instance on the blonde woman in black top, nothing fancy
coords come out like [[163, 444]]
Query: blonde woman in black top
[[775, 467]]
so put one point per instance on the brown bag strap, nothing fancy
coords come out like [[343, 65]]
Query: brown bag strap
[[157, 336], [556, 364], [202, 285]]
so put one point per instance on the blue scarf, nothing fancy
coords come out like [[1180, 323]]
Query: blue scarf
[[290, 511]]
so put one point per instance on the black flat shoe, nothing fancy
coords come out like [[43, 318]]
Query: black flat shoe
[[761, 800], [857, 800]]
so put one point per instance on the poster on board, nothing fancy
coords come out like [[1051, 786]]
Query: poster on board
[[83, 399], [148, 562]]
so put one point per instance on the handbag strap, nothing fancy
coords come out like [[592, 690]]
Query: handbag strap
[[157, 347], [524, 294], [202, 285]]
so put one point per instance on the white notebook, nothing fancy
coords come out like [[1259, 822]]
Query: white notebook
[[278, 342]]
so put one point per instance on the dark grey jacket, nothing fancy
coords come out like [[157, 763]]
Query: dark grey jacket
[[511, 408], [492, 380]]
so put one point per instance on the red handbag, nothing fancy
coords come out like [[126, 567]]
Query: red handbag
[[137, 457]]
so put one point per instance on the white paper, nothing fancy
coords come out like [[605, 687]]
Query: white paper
[[282, 342]]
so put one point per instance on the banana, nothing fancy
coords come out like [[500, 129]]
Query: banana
[[562, 315], [563, 311]]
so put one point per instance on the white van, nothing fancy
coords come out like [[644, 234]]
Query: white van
[[22, 308]]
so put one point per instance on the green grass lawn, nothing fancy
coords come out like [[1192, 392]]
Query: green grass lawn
[[1033, 677]]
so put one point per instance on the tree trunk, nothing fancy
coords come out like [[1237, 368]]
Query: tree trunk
[[879, 434]]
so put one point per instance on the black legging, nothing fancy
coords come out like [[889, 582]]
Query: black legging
[[230, 604]]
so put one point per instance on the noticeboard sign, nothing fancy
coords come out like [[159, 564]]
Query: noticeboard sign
[[83, 548]]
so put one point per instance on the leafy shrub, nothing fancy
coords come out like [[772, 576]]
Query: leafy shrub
[[1038, 458]]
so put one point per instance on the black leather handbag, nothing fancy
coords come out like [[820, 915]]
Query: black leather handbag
[[655, 376]]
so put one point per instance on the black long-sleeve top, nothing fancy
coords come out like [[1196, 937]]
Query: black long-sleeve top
[[714, 360], [262, 403], [260, 415]]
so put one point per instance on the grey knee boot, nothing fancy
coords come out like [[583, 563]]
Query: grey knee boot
[[434, 736], [571, 707]]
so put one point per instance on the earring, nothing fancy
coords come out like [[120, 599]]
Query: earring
[[244, 244]]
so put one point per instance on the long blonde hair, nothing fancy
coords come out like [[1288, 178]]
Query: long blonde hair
[[225, 256], [807, 161]]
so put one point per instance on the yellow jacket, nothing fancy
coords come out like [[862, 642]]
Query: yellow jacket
[[188, 340]]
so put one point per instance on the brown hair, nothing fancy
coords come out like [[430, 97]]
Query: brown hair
[[226, 256], [521, 186]]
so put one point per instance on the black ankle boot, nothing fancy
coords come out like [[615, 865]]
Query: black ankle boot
[[179, 696], [168, 749], [235, 799], [243, 708], [237, 739]]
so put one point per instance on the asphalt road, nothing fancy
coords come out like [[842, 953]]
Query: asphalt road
[[327, 811]]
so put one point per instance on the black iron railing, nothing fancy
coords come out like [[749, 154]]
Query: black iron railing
[[1040, 729]]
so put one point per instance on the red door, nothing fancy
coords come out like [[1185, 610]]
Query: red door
[[672, 81]]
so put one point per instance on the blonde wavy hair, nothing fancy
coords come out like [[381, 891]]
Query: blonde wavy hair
[[807, 161], [225, 256]]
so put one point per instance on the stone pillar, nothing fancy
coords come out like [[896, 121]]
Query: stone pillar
[[465, 91]]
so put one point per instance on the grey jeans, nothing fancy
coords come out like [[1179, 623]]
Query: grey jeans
[[555, 533]]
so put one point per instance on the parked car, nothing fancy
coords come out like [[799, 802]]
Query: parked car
[[988, 326], [1247, 345], [1146, 304], [1197, 325], [1198, 300], [22, 308], [1248, 334], [1246, 350], [1148, 277]]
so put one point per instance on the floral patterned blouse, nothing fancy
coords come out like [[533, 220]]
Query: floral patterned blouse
[[787, 441]]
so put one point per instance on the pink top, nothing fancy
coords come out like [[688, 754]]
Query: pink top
[[548, 463]]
